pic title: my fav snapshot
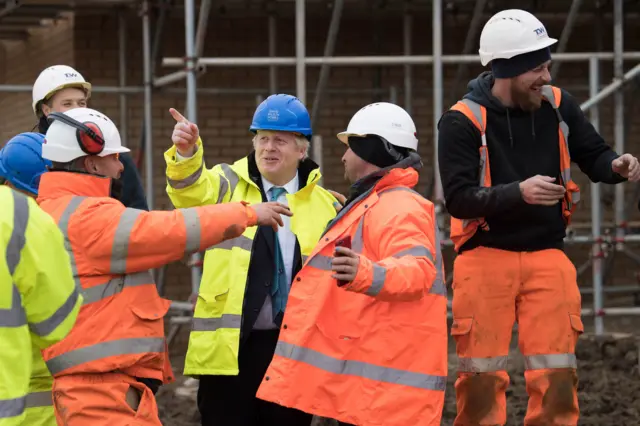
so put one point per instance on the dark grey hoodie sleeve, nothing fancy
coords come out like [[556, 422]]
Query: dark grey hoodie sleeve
[[587, 148], [459, 158]]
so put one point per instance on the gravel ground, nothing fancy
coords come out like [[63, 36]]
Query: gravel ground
[[609, 387]]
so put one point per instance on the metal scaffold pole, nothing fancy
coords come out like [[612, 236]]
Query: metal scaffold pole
[[301, 69], [122, 75], [438, 196], [192, 109], [596, 208], [148, 81], [618, 72]]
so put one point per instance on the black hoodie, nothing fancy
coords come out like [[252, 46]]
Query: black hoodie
[[521, 144]]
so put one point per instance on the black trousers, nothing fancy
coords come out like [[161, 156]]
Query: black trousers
[[231, 400]]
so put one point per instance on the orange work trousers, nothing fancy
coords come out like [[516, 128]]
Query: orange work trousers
[[107, 399], [492, 289]]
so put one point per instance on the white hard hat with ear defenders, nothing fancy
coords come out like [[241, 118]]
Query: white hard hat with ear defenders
[[79, 132]]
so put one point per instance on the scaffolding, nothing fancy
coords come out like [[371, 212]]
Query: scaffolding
[[193, 64]]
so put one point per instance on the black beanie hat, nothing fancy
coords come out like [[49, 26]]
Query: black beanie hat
[[513, 67], [372, 150]]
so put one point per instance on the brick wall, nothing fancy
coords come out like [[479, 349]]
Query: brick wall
[[21, 62], [91, 45]]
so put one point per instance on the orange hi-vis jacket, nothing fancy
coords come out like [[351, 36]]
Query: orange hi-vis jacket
[[463, 230], [373, 352], [120, 325]]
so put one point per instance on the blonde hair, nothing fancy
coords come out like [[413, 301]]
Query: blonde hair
[[301, 141]]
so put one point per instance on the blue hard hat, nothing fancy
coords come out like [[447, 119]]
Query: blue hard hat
[[283, 113], [21, 162]]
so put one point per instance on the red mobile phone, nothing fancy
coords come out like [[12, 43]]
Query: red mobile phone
[[343, 242]]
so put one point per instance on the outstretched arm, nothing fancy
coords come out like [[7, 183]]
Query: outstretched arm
[[130, 240]]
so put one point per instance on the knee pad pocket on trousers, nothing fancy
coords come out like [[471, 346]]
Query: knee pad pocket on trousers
[[460, 331]]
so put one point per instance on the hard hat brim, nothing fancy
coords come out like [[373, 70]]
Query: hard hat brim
[[486, 58], [79, 85], [344, 136]]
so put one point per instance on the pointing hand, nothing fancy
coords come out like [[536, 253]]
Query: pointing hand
[[185, 134]]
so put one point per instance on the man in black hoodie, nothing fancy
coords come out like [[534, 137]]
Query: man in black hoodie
[[504, 164]]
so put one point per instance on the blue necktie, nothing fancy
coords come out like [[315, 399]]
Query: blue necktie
[[279, 287]]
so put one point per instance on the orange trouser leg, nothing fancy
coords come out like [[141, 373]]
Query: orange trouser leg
[[100, 400], [548, 309], [485, 286]]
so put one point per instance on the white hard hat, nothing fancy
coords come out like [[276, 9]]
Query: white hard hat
[[510, 33], [79, 132], [386, 120], [56, 78]]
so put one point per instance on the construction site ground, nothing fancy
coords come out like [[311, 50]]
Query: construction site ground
[[609, 381]]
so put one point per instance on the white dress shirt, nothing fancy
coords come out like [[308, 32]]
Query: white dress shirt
[[287, 241]]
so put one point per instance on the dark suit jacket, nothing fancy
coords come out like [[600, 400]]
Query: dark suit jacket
[[260, 273]]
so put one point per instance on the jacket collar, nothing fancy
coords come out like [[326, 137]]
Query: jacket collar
[[403, 173], [56, 184]]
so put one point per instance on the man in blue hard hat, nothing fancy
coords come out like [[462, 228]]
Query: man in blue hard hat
[[246, 281], [21, 166], [21, 163]]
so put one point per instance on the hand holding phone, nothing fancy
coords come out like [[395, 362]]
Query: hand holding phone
[[343, 242]]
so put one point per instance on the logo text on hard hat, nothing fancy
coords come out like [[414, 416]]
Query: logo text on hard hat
[[273, 115], [70, 74], [539, 31]]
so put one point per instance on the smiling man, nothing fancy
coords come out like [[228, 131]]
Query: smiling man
[[246, 281], [505, 152]]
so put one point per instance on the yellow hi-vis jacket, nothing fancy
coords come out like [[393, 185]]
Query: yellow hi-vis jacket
[[215, 332], [39, 303]]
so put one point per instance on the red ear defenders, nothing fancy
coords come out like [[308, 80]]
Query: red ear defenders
[[88, 135]]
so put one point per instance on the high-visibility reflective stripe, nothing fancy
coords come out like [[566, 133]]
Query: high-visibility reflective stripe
[[357, 245], [119, 252], [192, 225], [63, 224], [361, 369], [484, 161], [47, 326], [415, 251], [379, 275], [482, 365], [320, 261], [222, 190], [438, 286], [231, 176], [304, 258], [564, 128], [115, 286], [15, 316], [213, 324], [476, 110], [17, 238], [553, 361], [39, 399], [12, 407], [242, 242], [189, 180], [102, 350]]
